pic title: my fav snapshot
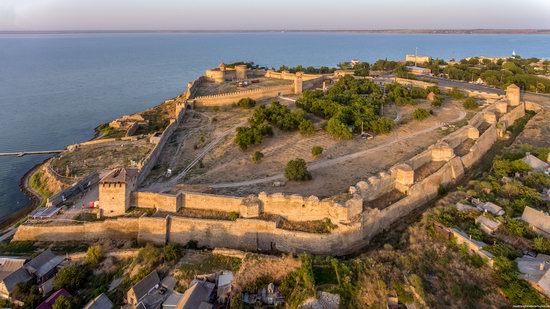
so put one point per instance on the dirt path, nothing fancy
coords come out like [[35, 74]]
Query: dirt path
[[338, 160]]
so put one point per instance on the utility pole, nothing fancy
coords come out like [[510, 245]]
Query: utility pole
[[415, 56]]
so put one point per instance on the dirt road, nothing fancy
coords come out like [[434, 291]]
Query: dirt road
[[334, 161]]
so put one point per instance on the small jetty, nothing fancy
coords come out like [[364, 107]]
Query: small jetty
[[26, 153]]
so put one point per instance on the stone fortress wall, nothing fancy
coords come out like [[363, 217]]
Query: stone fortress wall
[[356, 224], [301, 82]]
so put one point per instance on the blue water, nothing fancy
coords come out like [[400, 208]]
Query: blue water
[[55, 88]]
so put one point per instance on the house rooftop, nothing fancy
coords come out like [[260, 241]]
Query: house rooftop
[[143, 287], [538, 220], [43, 263], [535, 163], [100, 302], [9, 265], [48, 303], [197, 296]]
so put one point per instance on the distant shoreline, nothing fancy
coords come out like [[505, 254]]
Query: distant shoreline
[[379, 31]]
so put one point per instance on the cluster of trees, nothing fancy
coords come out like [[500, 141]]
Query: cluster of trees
[[275, 114], [307, 70], [386, 65], [349, 105], [403, 95], [500, 74]]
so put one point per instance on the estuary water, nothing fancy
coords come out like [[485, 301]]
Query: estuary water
[[55, 88]]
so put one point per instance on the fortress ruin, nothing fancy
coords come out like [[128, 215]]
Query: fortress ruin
[[355, 213]]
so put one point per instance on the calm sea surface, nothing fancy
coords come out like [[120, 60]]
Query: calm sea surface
[[55, 88]]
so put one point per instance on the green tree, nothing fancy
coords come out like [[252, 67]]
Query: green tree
[[316, 150], [71, 277], [297, 170], [94, 255], [361, 69]]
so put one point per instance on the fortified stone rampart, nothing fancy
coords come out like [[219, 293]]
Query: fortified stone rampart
[[232, 97], [254, 234], [120, 228], [205, 201], [154, 230], [149, 162], [509, 118], [481, 146], [375, 186], [159, 201], [290, 76], [299, 208]]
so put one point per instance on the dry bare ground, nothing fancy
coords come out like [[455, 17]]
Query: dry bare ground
[[536, 129], [258, 266]]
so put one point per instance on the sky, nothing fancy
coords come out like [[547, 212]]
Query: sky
[[51, 15]]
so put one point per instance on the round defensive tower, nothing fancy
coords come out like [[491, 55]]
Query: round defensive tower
[[240, 71]]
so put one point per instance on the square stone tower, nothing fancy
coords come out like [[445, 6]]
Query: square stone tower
[[298, 82], [513, 94], [115, 190]]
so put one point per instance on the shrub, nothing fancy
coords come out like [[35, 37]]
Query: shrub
[[338, 129], [541, 244], [299, 285], [421, 114], [470, 103], [94, 255], [503, 168], [503, 250], [456, 94], [233, 216], [433, 89], [171, 253], [246, 103], [62, 302], [517, 227], [306, 127], [297, 170], [316, 150], [437, 101], [256, 156]]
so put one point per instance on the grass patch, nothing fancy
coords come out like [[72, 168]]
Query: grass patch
[[38, 184], [210, 264], [17, 248]]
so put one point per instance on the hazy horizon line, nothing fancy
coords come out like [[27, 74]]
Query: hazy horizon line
[[400, 30]]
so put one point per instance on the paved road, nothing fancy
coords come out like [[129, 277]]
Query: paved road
[[540, 98], [331, 162]]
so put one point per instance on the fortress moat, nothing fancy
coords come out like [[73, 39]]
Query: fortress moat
[[180, 166]]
